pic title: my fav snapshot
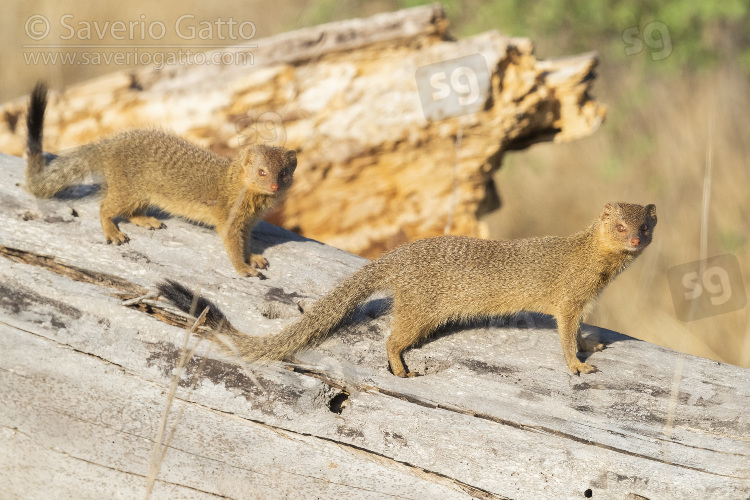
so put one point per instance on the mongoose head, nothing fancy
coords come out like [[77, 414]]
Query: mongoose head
[[626, 227], [267, 169]]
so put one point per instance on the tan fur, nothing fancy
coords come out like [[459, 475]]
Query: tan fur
[[153, 168], [454, 278]]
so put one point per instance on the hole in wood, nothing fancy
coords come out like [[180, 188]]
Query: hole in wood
[[338, 402]]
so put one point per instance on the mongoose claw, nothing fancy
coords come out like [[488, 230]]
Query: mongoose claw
[[151, 223], [400, 370], [258, 261], [118, 238], [251, 272]]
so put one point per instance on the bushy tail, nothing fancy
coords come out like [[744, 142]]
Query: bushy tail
[[309, 330], [185, 300], [34, 127], [42, 180]]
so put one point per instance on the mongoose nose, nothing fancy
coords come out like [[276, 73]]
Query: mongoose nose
[[274, 187], [635, 241]]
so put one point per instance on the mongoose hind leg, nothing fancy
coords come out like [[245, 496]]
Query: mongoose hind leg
[[587, 345], [568, 324], [108, 210], [140, 219], [406, 332], [394, 349]]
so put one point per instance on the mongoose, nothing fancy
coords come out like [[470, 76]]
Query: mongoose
[[145, 168], [455, 278]]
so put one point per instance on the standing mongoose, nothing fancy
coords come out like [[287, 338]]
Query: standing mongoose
[[145, 168], [456, 278]]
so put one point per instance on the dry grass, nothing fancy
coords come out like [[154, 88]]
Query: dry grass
[[161, 446]]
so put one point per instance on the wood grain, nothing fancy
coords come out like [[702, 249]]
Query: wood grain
[[84, 382]]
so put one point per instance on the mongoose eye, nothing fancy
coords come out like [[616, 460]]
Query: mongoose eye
[[262, 173], [620, 228], [644, 227], [283, 173]]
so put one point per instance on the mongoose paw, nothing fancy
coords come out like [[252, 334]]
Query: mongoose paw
[[589, 345], [578, 368], [157, 224], [400, 371], [150, 223], [251, 272], [117, 238], [258, 261]]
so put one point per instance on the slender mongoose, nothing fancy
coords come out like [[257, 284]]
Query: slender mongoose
[[153, 168], [455, 278]]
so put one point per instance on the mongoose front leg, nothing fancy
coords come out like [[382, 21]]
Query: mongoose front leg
[[568, 324], [257, 260], [107, 211], [254, 259], [234, 236]]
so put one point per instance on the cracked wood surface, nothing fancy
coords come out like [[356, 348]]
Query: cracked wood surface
[[345, 96], [84, 381]]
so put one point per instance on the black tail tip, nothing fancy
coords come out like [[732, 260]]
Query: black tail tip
[[39, 91], [35, 116], [185, 300], [38, 99]]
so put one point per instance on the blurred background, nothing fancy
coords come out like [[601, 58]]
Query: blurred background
[[674, 77]]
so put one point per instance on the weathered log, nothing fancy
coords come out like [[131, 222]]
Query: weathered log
[[86, 374], [373, 171]]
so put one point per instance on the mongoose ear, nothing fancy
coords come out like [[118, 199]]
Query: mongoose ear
[[651, 211], [246, 159], [609, 209], [291, 158]]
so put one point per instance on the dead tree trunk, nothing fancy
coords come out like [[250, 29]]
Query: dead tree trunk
[[97, 396], [397, 126]]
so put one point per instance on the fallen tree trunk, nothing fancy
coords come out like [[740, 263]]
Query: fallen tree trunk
[[98, 395], [387, 151]]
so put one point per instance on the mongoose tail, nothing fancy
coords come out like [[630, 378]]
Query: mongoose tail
[[309, 330], [34, 127], [185, 300], [43, 180]]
